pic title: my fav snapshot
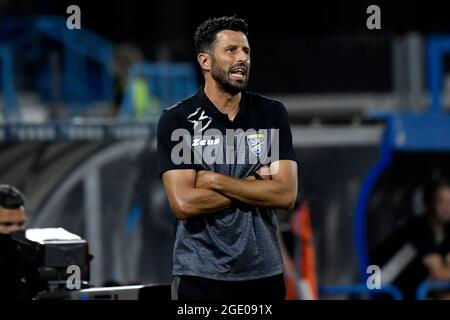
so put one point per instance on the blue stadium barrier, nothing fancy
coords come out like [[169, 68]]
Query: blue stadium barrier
[[77, 130], [425, 287], [81, 45], [82, 83], [360, 288], [11, 110]]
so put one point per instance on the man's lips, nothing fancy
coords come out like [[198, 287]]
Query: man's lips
[[238, 73]]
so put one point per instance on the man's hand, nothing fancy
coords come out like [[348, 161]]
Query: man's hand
[[264, 172]]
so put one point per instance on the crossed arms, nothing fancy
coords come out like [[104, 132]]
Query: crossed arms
[[192, 193]]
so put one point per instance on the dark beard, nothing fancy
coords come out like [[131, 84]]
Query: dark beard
[[221, 77]]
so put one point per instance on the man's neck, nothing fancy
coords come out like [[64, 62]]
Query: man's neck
[[224, 101]]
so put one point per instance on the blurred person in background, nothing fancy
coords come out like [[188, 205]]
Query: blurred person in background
[[12, 211], [432, 235], [19, 278], [423, 243], [125, 56]]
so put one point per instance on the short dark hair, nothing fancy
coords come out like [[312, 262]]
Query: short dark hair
[[206, 32], [11, 197], [431, 186]]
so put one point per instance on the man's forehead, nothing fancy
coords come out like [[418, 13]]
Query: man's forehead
[[231, 36], [9, 214]]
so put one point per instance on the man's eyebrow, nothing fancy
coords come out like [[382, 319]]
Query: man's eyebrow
[[233, 46]]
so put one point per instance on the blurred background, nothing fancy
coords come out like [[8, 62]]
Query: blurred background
[[368, 112]]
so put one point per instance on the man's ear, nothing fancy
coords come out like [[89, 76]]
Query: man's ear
[[204, 60]]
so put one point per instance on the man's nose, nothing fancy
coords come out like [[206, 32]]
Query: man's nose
[[242, 56]]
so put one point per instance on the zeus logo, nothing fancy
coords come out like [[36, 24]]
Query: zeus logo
[[199, 142], [199, 120]]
